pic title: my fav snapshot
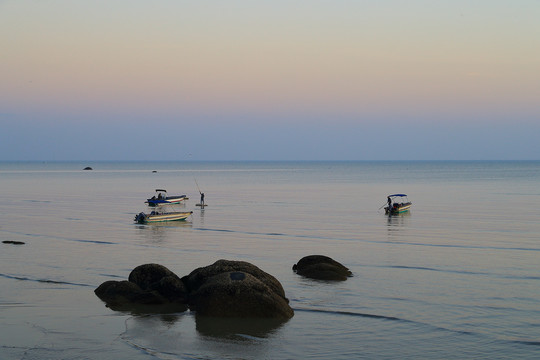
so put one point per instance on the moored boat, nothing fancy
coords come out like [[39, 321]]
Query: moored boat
[[397, 204], [161, 198], [160, 216]]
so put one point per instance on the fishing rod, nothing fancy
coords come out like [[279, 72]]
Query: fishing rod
[[387, 203]]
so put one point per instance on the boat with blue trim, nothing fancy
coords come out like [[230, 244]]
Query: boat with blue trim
[[161, 198], [397, 204]]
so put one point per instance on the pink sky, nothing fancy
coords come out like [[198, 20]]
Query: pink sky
[[264, 63]]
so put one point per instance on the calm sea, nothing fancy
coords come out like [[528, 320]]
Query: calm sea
[[457, 277]]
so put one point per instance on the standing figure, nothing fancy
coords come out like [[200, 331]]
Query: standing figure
[[202, 199]]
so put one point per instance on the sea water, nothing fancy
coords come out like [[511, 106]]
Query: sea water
[[456, 277]]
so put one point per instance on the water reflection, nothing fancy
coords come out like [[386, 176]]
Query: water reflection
[[397, 220], [201, 216], [165, 311], [237, 328], [172, 336], [159, 232]]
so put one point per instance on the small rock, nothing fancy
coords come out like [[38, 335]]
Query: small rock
[[12, 242], [121, 292], [322, 268]]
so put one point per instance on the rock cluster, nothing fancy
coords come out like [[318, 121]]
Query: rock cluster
[[322, 268], [223, 289]]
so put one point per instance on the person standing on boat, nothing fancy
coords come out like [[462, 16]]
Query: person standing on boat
[[202, 199], [389, 203]]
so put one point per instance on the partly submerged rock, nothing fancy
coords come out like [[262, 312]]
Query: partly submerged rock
[[149, 285], [232, 289], [155, 277], [13, 242], [122, 292], [238, 294], [198, 276], [236, 289], [88, 168], [322, 268]]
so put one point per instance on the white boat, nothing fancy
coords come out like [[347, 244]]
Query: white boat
[[160, 215]]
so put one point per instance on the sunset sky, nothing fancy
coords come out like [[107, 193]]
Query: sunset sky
[[269, 80]]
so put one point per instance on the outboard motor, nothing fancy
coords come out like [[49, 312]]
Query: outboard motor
[[140, 217]]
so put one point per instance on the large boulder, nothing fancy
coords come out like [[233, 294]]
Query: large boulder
[[322, 268], [198, 276], [151, 285], [236, 289], [155, 277]]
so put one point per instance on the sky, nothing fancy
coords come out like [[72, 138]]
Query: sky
[[269, 80]]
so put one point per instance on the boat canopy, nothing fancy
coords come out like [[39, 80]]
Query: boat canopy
[[163, 190], [397, 195]]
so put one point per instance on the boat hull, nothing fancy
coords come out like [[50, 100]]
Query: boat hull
[[143, 218]]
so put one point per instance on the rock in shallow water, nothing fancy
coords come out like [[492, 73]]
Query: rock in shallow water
[[148, 285], [236, 289], [155, 277], [198, 276], [223, 289], [238, 294], [12, 242], [322, 268]]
